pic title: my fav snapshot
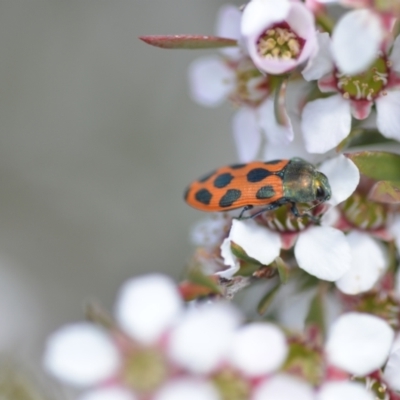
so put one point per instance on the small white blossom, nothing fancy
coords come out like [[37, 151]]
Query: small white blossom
[[327, 121], [81, 354], [344, 390], [147, 306], [279, 35], [187, 388], [258, 349], [201, 340], [359, 343], [283, 387]]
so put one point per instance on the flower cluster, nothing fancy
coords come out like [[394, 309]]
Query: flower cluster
[[158, 349], [306, 82]]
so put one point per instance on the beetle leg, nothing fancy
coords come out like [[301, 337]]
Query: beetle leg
[[296, 213], [272, 206], [245, 208]]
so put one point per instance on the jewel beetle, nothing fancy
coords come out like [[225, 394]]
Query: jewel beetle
[[267, 184]]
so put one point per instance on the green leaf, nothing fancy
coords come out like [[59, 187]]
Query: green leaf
[[266, 301], [316, 312], [365, 137], [188, 41], [238, 252], [386, 192], [378, 165], [283, 269], [197, 277]]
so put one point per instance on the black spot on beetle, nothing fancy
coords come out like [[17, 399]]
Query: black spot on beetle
[[203, 196], [257, 174], [206, 177], [230, 197], [265, 192], [223, 180], [237, 166]]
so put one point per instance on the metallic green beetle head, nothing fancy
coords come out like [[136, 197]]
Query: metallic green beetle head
[[321, 187], [302, 183]]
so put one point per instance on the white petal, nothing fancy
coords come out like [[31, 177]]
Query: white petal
[[228, 26], [201, 340], [321, 63], [209, 231], [210, 81], [187, 388], [344, 391], [81, 354], [301, 21], [229, 259], [388, 116], [109, 393], [257, 241], [395, 55], [246, 134], [356, 40], [359, 343], [275, 133], [343, 176], [258, 349], [368, 262], [324, 252], [325, 123], [260, 14], [392, 369], [147, 306], [394, 229], [283, 387]]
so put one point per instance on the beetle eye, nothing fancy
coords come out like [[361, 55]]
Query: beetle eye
[[320, 193]]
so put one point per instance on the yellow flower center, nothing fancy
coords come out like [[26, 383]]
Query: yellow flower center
[[144, 370], [280, 42], [231, 386], [364, 213], [365, 86], [251, 86]]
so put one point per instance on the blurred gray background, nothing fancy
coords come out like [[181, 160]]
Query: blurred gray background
[[98, 139]]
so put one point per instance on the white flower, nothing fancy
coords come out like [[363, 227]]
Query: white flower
[[187, 388], [344, 391], [368, 262], [359, 343], [81, 354], [279, 35], [84, 354], [147, 306], [322, 251], [200, 342], [283, 387], [327, 121], [258, 349]]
